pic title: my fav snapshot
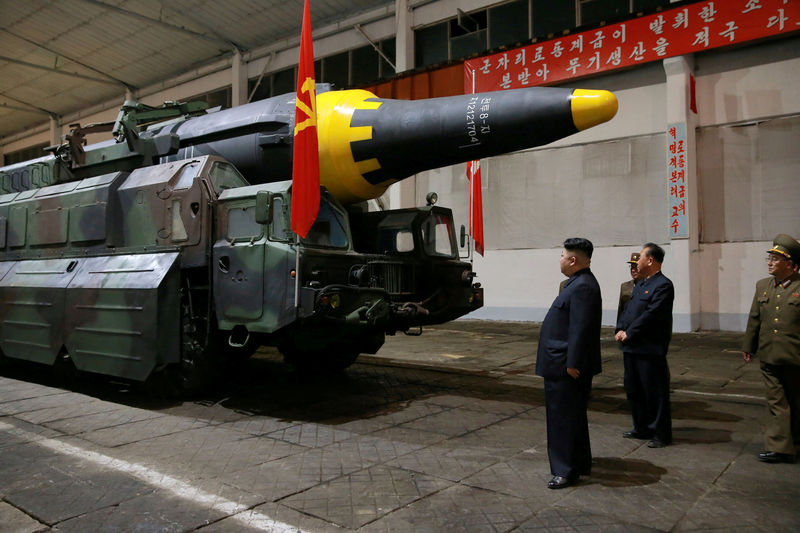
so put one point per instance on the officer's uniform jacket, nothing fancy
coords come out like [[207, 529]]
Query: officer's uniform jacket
[[773, 328], [625, 294]]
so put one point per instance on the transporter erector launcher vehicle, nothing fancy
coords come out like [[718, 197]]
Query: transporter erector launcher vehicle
[[158, 253]]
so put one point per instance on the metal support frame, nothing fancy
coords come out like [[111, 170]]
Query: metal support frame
[[360, 30]]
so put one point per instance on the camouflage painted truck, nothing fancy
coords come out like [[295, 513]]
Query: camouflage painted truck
[[168, 248]]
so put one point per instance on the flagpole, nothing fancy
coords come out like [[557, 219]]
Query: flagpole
[[472, 193], [296, 270]]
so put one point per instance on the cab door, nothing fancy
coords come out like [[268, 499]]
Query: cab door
[[238, 264]]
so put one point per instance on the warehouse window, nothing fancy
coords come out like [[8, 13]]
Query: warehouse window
[[552, 17], [515, 22], [430, 45], [597, 11], [25, 154], [367, 65], [218, 98], [509, 23], [336, 70], [645, 6], [284, 81], [467, 34]]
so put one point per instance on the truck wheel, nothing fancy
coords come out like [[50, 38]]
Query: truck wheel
[[194, 371], [320, 361], [64, 370], [198, 358], [198, 363]]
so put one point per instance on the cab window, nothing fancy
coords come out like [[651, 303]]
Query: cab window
[[329, 230], [186, 176], [242, 224], [437, 236], [225, 176]]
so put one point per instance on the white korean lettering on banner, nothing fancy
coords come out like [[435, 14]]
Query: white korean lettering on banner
[[693, 27], [730, 30]]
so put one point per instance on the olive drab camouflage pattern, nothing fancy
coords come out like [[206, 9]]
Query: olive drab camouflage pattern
[[155, 256]]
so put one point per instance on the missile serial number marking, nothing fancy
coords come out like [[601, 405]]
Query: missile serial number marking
[[472, 130], [484, 116], [311, 113]]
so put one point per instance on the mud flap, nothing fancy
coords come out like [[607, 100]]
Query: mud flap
[[32, 308], [123, 314]]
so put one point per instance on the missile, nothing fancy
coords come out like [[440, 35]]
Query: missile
[[366, 143]]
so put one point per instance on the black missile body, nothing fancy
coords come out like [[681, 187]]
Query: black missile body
[[365, 143]]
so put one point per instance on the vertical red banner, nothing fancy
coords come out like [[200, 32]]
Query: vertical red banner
[[476, 204], [677, 168], [305, 155]]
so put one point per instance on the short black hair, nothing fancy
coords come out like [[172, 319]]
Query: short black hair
[[579, 244], [655, 251]]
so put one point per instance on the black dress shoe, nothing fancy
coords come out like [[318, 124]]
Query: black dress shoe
[[655, 442], [775, 457], [561, 482], [632, 434]]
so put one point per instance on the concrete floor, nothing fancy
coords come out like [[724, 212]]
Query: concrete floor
[[443, 432]]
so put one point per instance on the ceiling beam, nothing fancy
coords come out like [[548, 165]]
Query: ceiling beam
[[166, 25], [29, 108], [72, 59], [233, 44], [57, 71]]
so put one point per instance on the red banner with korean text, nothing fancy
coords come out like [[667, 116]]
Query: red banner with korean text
[[672, 32], [305, 149], [677, 168]]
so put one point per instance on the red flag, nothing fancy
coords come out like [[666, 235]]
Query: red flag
[[305, 156], [476, 204]]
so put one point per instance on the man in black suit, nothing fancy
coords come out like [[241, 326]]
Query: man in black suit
[[644, 330], [567, 358]]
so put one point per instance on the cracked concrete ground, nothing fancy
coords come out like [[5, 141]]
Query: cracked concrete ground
[[443, 432]]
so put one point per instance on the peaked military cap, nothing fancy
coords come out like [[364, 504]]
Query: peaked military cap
[[786, 246], [634, 258]]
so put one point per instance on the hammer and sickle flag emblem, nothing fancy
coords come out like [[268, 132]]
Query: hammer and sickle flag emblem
[[309, 86], [305, 149]]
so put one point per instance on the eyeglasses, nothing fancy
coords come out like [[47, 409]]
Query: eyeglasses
[[774, 258]]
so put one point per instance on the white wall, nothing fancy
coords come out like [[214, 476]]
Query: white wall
[[520, 285], [740, 85], [749, 93], [727, 282]]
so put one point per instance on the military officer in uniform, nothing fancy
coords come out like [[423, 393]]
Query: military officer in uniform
[[626, 289], [773, 334]]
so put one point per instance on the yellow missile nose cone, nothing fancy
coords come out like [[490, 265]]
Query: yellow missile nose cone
[[590, 108]]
